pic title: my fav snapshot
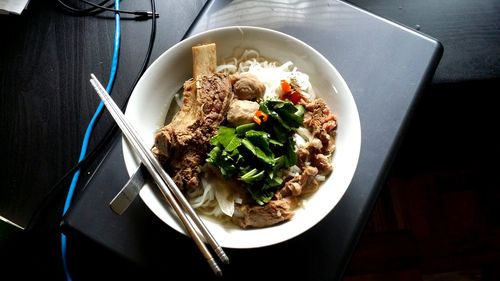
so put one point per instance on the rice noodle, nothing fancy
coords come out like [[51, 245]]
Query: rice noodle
[[200, 196], [269, 72], [212, 197]]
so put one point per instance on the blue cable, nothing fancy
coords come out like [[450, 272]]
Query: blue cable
[[88, 133]]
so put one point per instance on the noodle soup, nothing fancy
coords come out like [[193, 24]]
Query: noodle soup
[[271, 145]]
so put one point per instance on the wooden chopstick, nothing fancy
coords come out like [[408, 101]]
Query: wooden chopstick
[[164, 182]]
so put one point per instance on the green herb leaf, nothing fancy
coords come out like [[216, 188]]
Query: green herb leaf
[[280, 162], [275, 142], [242, 129], [272, 183], [224, 136], [257, 152], [261, 140], [214, 155], [253, 176], [290, 155], [261, 197], [288, 111], [233, 144]]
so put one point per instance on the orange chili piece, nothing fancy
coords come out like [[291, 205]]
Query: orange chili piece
[[285, 86], [289, 93], [259, 117]]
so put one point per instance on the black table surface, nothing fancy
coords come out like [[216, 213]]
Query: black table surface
[[385, 66], [46, 103]]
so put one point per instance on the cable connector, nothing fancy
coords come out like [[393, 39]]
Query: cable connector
[[145, 14]]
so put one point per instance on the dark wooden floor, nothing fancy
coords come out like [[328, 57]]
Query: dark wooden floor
[[438, 215]]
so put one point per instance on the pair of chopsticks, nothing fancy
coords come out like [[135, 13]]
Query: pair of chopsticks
[[167, 186]]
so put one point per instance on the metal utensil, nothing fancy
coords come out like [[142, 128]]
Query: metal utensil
[[167, 186], [130, 190], [123, 199]]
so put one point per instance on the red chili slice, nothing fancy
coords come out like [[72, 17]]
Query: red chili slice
[[260, 117]]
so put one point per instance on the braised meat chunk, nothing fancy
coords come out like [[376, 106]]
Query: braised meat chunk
[[184, 142], [274, 212], [302, 184], [321, 121]]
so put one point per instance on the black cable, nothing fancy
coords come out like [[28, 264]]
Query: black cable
[[86, 11], [80, 166], [137, 13], [110, 133], [99, 8]]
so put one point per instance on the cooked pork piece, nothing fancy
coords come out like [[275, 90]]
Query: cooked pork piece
[[302, 157], [323, 164], [302, 184], [322, 123], [311, 155], [241, 111], [308, 180], [184, 142], [314, 146], [269, 214], [293, 187], [307, 152], [247, 86]]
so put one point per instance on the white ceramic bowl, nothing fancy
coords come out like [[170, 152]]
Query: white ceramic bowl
[[153, 94]]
